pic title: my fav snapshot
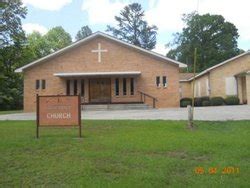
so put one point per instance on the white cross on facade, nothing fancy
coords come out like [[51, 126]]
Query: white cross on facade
[[99, 51]]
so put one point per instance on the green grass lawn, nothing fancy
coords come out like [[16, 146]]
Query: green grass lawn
[[10, 112], [125, 154]]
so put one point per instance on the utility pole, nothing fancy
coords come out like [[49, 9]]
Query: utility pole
[[191, 110]]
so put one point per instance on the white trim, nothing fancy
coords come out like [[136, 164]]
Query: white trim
[[91, 37], [218, 65], [183, 80], [73, 74]]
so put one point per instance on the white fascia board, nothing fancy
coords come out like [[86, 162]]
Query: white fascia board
[[218, 65], [96, 74]]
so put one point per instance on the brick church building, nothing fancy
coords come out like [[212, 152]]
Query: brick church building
[[104, 69]]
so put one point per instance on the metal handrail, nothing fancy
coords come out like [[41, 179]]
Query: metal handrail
[[144, 95]]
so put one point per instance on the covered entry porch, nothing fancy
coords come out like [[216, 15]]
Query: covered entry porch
[[243, 87], [103, 87]]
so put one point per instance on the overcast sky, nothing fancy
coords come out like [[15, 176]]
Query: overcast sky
[[165, 14]]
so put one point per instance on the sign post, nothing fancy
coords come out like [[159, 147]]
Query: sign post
[[79, 116], [37, 116], [58, 111]]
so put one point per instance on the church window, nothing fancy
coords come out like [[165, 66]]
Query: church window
[[124, 86], [75, 87], [37, 84], [132, 86], [158, 81], [68, 87], [117, 86], [164, 80], [43, 84]]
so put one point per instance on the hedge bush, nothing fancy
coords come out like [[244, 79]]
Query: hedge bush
[[217, 101], [185, 101], [199, 100], [232, 100], [206, 103], [205, 99]]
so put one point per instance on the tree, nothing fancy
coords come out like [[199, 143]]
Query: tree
[[38, 45], [11, 84], [214, 38], [12, 39], [12, 36], [11, 13], [133, 29], [57, 38], [83, 33]]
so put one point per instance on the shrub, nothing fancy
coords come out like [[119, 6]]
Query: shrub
[[185, 101], [206, 103], [197, 101], [232, 100], [205, 99], [217, 101]]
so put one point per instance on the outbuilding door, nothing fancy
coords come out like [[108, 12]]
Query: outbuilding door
[[100, 90]]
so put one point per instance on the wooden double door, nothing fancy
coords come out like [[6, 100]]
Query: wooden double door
[[100, 90]]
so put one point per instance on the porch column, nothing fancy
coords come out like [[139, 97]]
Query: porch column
[[240, 88], [248, 88]]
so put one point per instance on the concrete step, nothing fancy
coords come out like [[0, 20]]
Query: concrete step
[[134, 106]]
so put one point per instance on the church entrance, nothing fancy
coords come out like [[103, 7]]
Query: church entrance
[[100, 90]]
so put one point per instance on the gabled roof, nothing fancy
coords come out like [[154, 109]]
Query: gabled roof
[[94, 35], [218, 65], [186, 76]]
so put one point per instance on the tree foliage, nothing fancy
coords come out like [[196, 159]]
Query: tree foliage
[[11, 31], [57, 38], [12, 38], [83, 33], [214, 38], [42, 45], [16, 50], [38, 46], [132, 28]]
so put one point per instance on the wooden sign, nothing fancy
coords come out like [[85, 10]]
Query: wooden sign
[[58, 111]]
